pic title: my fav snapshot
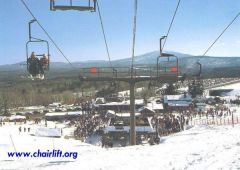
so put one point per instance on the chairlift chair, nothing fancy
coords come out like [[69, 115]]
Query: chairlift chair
[[90, 7], [170, 66], [33, 40], [38, 41]]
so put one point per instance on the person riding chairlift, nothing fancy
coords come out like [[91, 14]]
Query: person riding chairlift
[[35, 67], [44, 62]]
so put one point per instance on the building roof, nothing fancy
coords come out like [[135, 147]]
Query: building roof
[[17, 117], [168, 98], [147, 129], [64, 113], [127, 114], [155, 106], [126, 102], [146, 109], [179, 104]]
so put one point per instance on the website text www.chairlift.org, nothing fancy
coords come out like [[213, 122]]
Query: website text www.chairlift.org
[[44, 154]]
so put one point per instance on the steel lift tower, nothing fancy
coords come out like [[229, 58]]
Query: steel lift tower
[[165, 71]]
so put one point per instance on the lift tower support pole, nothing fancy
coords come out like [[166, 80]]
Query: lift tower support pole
[[132, 114]]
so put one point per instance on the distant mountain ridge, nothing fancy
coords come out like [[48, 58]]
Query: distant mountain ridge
[[187, 63]]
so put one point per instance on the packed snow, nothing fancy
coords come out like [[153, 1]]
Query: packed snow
[[47, 132], [199, 147], [234, 87]]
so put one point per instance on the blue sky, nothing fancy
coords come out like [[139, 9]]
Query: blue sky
[[79, 35]]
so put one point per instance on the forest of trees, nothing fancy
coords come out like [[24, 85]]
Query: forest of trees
[[19, 93]]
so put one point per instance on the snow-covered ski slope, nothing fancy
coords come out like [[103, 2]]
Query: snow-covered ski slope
[[200, 147]]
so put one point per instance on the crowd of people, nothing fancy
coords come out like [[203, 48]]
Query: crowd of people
[[87, 107], [168, 124], [88, 124], [175, 120]]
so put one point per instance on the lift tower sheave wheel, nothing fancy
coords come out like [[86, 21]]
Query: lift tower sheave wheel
[[90, 7]]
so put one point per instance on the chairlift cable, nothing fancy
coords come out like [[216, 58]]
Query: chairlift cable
[[169, 29], [45, 31], [104, 35], [221, 34], [134, 33]]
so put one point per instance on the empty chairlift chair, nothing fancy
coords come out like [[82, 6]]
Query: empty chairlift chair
[[90, 6]]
